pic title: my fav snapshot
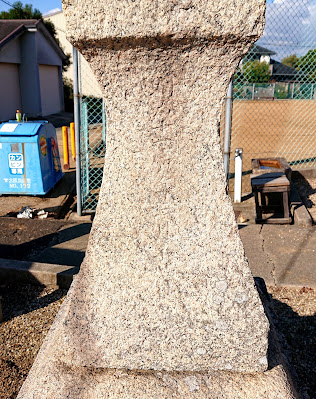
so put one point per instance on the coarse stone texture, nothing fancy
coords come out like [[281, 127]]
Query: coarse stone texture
[[51, 378], [165, 284], [164, 305], [87, 383]]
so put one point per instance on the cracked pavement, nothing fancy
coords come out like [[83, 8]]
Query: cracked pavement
[[281, 255]]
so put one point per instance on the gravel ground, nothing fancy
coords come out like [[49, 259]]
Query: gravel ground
[[307, 189], [28, 313]]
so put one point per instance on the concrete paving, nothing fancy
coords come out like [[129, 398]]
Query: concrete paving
[[36, 273], [281, 255], [68, 248]]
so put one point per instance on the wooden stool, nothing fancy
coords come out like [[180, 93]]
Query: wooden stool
[[271, 165], [271, 183]]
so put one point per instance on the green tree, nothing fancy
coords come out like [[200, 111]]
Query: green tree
[[20, 11], [291, 61], [256, 72], [307, 65]]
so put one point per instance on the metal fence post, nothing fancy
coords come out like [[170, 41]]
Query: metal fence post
[[103, 122], [228, 124], [238, 174], [77, 129]]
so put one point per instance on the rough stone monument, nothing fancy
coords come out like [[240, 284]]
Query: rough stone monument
[[164, 305]]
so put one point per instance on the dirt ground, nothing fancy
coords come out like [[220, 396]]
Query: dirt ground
[[29, 312], [265, 128], [279, 128], [21, 238]]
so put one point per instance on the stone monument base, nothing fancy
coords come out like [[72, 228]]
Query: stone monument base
[[50, 378], [58, 381]]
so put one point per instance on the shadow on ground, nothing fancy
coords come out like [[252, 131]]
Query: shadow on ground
[[304, 188], [299, 343], [24, 239], [21, 298]]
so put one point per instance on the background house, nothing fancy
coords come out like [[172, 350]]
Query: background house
[[258, 53], [30, 70], [283, 73]]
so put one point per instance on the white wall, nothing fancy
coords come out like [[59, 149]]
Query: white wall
[[265, 58], [89, 84], [59, 21], [10, 96], [50, 89]]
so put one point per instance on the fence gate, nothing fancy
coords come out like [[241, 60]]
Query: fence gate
[[274, 90], [92, 136]]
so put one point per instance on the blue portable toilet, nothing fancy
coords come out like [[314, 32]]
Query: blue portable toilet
[[29, 158]]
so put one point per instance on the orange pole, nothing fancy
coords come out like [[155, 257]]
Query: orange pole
[[73, 142], [66, 149]]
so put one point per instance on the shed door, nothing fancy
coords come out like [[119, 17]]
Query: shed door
[[50, 89], [10, 96]]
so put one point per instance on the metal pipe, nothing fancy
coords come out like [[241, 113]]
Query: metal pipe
[[228, 124], [238, 174], [77, 127]]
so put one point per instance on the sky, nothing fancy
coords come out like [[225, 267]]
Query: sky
[[43, 5], [290, 27]]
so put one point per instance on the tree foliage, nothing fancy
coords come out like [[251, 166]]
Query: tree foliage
[[20, 11], [291, 61], [307, 65], [256, 72]]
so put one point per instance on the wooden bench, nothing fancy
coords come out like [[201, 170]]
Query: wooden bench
[[271, 183]]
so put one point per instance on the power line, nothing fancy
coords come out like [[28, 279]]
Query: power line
[[9, 4], [13, 6]]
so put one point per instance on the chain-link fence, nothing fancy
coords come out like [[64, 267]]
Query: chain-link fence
[[274, 93], [92, 136], [274, 90]]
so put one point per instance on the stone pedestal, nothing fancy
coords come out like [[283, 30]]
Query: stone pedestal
[[165, 304]]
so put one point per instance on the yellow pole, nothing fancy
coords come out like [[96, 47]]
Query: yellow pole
[[73, 142], [66, 149]]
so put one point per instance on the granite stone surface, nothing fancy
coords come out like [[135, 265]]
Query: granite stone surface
[[165, 284], [51, 378], [165, 290], [89, 383]]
